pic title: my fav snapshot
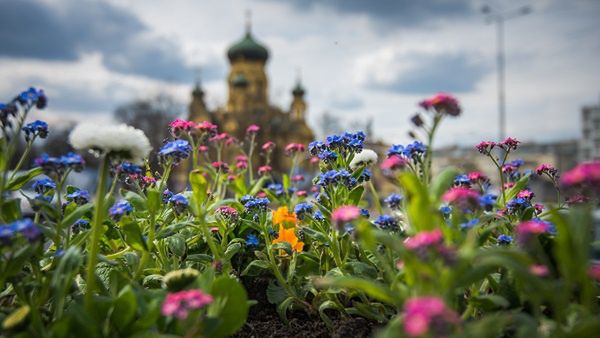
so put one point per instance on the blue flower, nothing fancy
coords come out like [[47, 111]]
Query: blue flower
[[179, 203], [446, 210], [166, 195], [365, 176], [120, 208], [276, 188], [318, 216], [328, 156], [79, 196], [315, 147], [33, 96], [72, 160], [130, 168], [246, 198], [355, 144], [25, 227], [257, 204], [414, 149], [469, 224], [252, 240], [504, 239], [349, 228], [365, 213], [36, 128], [386, 222], [175, 150], [80, 225], [49, 164], [395, 149], [334, 141], [43, 185], [517, 163], [393, 201], [462, 180], [517, 204], [488, 201], [551, 227], [302, 209]]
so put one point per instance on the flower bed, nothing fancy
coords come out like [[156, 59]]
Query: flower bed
[[247, 251]]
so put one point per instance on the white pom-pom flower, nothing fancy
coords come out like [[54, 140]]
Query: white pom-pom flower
[[127, 142], [366, 157]]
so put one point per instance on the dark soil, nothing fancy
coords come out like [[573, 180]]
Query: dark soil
[[263, 320]]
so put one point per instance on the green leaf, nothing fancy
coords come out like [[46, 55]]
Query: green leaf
[[230, 307], [420, 211], [276, 293], [371, 288], [21, 178], [283, 307], [154, 200], [442, 182], [285, 181], [232, 249], [124, 308], [138, 202], [199, 187], [177, 245], [254, 268], [133, 236], [76, 214], [11, 210], [361, 269], [512, 192], [490, 302], [328, 305], [287, 247], [356, 194], [315, 235]]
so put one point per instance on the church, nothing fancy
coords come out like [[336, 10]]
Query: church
[[248, 102]]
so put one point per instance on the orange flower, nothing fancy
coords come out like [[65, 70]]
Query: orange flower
[[282, 216], [288, 235]]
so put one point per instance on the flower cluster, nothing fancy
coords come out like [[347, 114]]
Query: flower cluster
[[387, 222], [255, 204], [35, 128], [428, 314], [179, 203], [79, 197], [176, 151], [120, 208], [60, 164], [485, 147], [228, 213], [25, 227], [443, 104], [303, 209], [393, 201], [464, 198], [585, 174], [334, 177], [366, 157], [179, 304]]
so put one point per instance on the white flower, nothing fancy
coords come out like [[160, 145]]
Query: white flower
[[366, 157], [129, 143]]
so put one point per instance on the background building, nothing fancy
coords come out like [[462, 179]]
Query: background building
[[589, 147]]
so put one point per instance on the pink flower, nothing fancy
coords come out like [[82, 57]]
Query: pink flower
[[594, 271], [442, 103], [178, 125], [485, 147], [393, 162], [268, 146], [477, 176], [264, 169], [510, 143], [583, 174], [219, 137], [314, 188], [531, 228], [227, 212], [301, 193], [314, 160], [527, 194], [231, 178], [252, 129], [539, 270], [346, 213], [424, 240], [538, 208], [220, 166], [241, 165], [147, 180], [577, 199], [179, 304], [546, 168], [202, 148], [207, 127], [297, 178], [509, 185], [261, 194], [509, 168], [293, 148], [422, 312], [241, 158], [464, 198]]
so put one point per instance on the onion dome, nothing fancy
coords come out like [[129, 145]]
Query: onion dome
[[247, 48], [239, 80], [298, 90]]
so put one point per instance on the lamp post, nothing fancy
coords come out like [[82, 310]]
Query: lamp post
[[499, 17]]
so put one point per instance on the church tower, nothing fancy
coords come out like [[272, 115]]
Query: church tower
[[298, 106], [197, 110], [247, 80]]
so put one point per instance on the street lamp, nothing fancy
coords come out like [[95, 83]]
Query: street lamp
[[499, 17]]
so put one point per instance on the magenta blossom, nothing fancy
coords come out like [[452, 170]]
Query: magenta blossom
[[293, 148], [442, 103], [179, 125], [539, 270], [485, 147], [268, 146], [220, 166], [227, 212], [252, 129], [510, 143], [264, 169], [526, 194], [346, 213], [179, 304], [424, 240], [314, 160], [527, 229], [301, 193], [583, 174], [475, 176], [297, 178], [546, 168], [393, 162], [207, 127], [427, 314], [594, 271], [202, 148], [462, 197], [219, 137]]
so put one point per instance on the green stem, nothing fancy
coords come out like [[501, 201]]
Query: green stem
[[429, 152], [250, 152], [375, 197], [94, 244], [23, 158]]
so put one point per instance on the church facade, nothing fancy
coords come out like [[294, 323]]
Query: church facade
[[248, 102]]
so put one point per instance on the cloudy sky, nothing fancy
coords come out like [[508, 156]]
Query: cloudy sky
[[358, 58]]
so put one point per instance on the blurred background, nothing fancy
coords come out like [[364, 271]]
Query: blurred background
[[358, 65]]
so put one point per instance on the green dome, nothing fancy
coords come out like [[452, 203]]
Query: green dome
[[239, 80], [249, 49]]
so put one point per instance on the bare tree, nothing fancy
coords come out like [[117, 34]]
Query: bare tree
[[329, 124]]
